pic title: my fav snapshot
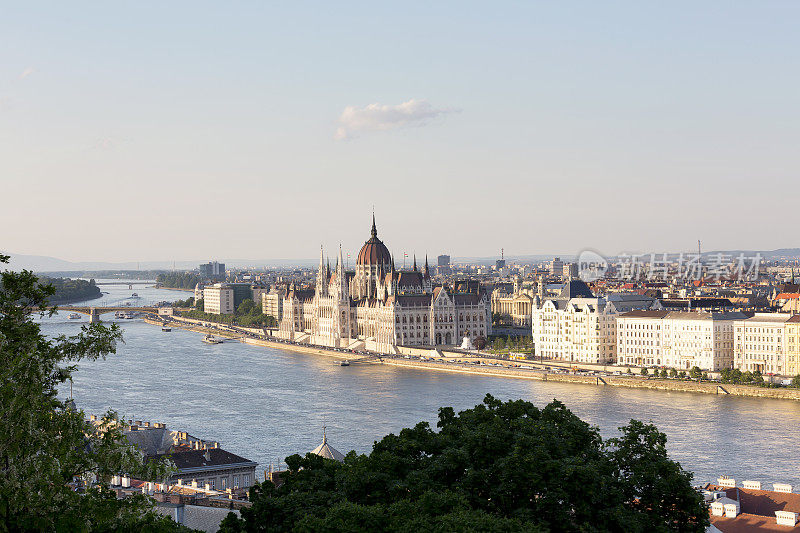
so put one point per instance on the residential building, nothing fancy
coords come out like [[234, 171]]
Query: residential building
[[578, 327], [218, 299], [792, 345], [751, 507], [557, 267], [272, 303], [677, 339], [760, 343], [197, 462], [213, 271]]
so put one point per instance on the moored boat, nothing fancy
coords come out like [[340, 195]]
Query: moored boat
[[210, 339]]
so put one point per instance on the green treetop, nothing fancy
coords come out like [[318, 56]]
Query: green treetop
[[45, 443], [497, 467]]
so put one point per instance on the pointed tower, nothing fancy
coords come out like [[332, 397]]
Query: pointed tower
[[322, 279], [415, 262], [426, 278], [342, 288]]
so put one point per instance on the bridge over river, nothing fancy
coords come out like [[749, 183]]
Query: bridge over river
[[95, 312]]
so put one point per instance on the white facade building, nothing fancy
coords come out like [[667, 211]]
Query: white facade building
[[676, 339], [760, 343], [218, 299], [578, 327]]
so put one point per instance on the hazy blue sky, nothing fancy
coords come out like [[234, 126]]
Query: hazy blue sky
[[182, 130]]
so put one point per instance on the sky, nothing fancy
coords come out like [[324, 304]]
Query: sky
[[261, 130]]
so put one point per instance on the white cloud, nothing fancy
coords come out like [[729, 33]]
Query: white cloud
[[27, 72], [382, 117]]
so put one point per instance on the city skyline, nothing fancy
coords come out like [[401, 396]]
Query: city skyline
[[262, 131]]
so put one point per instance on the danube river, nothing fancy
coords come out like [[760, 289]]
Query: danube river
[[265, 404]]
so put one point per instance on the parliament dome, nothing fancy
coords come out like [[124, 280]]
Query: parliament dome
[[374, 252]]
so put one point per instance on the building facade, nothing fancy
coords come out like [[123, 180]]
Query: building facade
[[218, 299], [212, 270], [677, 339], [793, 346], [378, 307], [578, 327], [760, 343]]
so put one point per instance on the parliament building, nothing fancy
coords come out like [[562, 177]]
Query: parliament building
[[377, 307]]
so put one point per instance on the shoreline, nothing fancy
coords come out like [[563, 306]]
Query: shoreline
[[633, 382]]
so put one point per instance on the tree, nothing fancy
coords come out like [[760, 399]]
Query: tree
[[664, 373], [757, 377], [45, 443], [704, 376], [725, 375], [501, 466], [645, 372], [796, 381], [673, 373], [696, 373], [198, 304], [682, 374]]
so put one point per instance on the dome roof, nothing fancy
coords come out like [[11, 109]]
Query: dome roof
[[327, 451], [374, 252]]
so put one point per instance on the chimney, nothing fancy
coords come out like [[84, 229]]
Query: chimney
[[208, 486], [751, 485], [194, 483], [786, 518], [207, 455], [126, 482], [93, 418], [782, 487], [115, 481]]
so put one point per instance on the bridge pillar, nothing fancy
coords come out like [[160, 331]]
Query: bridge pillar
[[94, 316]]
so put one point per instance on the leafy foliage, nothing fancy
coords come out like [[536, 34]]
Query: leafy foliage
[[71, 290], [497, 467], [248, 314], [45, 443], [178, 280]]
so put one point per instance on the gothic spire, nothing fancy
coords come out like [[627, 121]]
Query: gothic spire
[[374, 231], [427, 270], [415, 262]]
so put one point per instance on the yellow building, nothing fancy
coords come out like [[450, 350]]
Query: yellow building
[[793, 346]]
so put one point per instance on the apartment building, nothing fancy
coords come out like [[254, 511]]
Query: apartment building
[[272, 303], [218, 299], [677, 339], [793, 346], [760, 343], [578, 327]]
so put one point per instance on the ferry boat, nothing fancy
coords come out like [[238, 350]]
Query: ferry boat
[[74, 316], [210, 339], [344, 363], [135, 295], [166, 328]]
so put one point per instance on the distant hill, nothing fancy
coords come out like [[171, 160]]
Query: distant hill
[[41, 263]]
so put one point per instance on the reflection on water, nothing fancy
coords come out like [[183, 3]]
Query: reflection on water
[[266, 403]]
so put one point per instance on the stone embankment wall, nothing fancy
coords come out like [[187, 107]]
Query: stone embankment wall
[[518, 373]]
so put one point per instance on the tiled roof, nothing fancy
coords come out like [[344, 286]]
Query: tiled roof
[[644, 314], [184, 458]]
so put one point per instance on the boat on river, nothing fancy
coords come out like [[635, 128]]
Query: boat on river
[[74, 316], [344, 363], [210, 339]]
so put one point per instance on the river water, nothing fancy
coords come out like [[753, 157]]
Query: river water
[[265, 404]]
